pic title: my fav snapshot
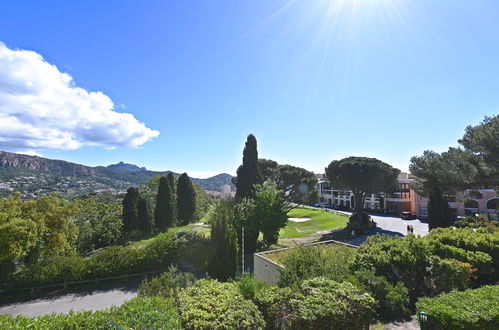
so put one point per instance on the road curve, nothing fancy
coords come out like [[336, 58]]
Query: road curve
[[83, 301]]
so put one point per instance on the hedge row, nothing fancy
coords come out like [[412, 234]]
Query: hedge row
[[470, 309], [154, 254], [137, 313]]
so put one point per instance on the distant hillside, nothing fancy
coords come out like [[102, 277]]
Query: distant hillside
[[35, 176], [130, 168]]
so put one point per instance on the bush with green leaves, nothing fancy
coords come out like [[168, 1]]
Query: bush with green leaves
[[318, 303], [448, 274], [471, 309], [137, 313], [210, 304], [392, 300], [306, 262], [167, 285], [249, 286], [475, 241], [480, 222], [194, 250], [155, 254], [430, 265]]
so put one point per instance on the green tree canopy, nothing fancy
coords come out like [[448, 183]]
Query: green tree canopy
[[46, 223], [268, 169], [17, 237], [458, 169], [99, 224], [297, 184], [269, 211], [363, 176], [482, 141]]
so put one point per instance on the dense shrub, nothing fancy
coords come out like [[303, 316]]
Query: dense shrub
[[249, 286], [447, 274], [155, 254], [430, 265], [162, 249], [472, 240], [480, 261], [481, 222], [306, 262], [146, 313], [138, 313], [470, 309], [210, 304], [318, 304], [392, 300], [167, 285], [194, 250]]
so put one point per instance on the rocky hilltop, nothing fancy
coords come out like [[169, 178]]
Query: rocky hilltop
[[8, 159]]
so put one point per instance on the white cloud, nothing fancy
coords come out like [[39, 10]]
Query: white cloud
[[42, 108]]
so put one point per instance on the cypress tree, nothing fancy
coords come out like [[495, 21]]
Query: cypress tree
[[224, 260], [439, 214], [165, 205], [145, 217], [186, 199], [248, 174], [173, 186], [130, 209]]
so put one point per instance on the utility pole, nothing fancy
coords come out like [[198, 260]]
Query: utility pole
[[242, 253]]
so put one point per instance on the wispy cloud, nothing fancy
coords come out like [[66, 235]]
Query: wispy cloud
[[42, 108]]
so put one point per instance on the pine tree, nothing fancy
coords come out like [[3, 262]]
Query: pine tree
[[130, 209], [145, 216], [165, 205], [248, 174], [186, 199]]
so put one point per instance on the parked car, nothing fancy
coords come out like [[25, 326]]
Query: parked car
[[329, 206], [320, 204], [408, 215]]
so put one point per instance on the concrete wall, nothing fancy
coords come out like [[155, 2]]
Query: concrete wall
[[266, 270]]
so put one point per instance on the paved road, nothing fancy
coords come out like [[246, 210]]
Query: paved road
[[394, 226], [83, 301]]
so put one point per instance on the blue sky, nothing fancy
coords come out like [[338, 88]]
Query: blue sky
[[313, 80]]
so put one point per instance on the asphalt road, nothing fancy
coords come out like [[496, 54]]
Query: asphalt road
[[394, 226], [82, 301]]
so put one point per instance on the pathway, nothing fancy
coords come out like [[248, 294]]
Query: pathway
[[83, 301]]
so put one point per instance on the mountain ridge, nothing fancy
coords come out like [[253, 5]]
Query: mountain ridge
[[15, 167]]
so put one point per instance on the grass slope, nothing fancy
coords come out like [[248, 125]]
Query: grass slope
[[320, 221]]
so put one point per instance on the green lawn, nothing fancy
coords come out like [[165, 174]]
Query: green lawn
[[320, 220], [325, 249]]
